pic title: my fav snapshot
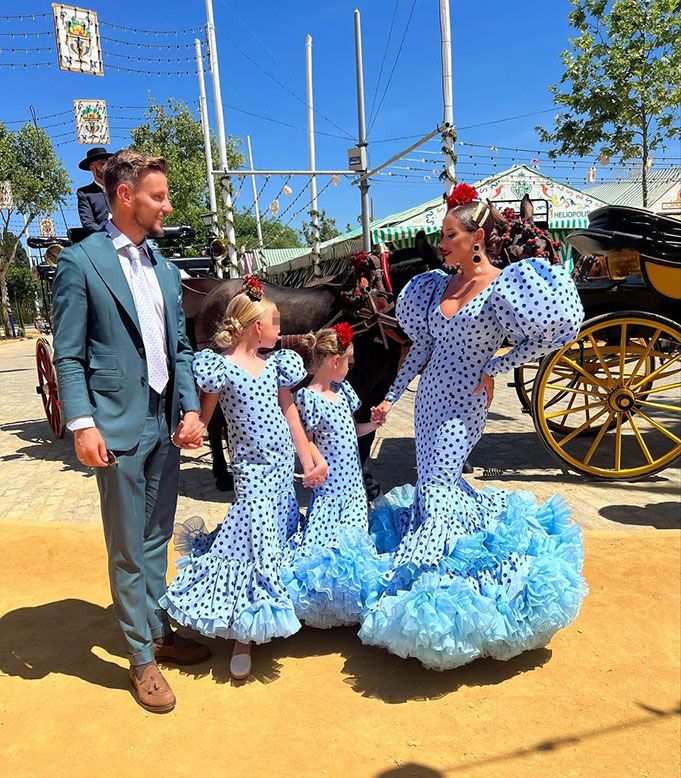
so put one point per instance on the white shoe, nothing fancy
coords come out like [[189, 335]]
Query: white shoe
[[240, 666]]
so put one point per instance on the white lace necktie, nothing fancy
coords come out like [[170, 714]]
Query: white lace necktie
[[152, 336]]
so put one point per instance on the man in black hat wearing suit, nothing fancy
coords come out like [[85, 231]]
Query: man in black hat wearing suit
[[93, 204]]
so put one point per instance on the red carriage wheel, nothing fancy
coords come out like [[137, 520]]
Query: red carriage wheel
[[47, 387]]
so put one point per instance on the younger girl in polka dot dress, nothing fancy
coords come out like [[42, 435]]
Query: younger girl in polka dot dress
[[474, 573], [229, 583], [333, 564]]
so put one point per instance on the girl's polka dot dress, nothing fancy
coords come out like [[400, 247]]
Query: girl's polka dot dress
[[229, 584], [333, 564], [486, 573]]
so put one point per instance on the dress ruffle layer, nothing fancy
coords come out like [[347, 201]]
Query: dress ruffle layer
[[330, 584], [229, 597], [502, 584]]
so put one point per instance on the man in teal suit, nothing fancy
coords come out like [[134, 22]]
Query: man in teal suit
[[125, 382]]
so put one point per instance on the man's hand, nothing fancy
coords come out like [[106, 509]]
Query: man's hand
[[189, 432], [90, 447]]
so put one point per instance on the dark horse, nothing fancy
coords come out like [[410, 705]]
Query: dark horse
[[307, 309]]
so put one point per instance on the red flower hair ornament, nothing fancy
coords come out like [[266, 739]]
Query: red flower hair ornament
[[345, 334], [253, 288], [462, 194]]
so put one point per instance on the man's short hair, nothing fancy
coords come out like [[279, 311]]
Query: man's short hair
[[129, 167]]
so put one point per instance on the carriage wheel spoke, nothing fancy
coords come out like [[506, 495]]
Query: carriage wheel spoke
[[580, 429], [657, 426], [599, 354], [561, 388], [662, 406], [639, 438], [567, 411], [598, 439], [656, 373], [644, 356], [618, 443], [623, 348], [586, 375], [658, 389]]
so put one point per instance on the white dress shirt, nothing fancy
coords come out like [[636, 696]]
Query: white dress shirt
[[121, 243]]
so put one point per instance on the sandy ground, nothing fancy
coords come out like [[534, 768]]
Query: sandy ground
[[601, 700]]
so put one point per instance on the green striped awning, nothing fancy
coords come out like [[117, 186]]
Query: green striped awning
[[400, 233]]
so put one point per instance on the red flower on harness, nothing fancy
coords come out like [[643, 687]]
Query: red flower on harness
[[462, 194], [345, 334], [253, 288]]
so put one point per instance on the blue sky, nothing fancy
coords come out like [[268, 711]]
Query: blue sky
[[505, 55]]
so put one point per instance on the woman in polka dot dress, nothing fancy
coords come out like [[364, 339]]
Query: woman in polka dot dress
[[486, 573], [333, 564], [229, 582]]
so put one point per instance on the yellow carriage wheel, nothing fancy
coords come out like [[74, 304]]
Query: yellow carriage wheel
[[609, 404]]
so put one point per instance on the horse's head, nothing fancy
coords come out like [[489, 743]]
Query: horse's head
[[406, 263], [524, 240]]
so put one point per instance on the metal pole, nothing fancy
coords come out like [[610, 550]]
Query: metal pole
[[307, 173], [222, 140], [399, 155], [314, 213], [448, 131], [203, 108], [362, 133], [255, 194]]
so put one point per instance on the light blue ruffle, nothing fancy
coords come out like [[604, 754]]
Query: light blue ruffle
[[330, 586]]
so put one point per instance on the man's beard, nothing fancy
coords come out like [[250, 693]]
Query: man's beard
[[149, 227]]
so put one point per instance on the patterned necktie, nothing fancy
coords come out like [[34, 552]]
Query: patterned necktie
[[153, 337]]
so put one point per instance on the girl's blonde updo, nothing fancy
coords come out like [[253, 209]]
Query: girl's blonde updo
[[241, 312], [320, 345]]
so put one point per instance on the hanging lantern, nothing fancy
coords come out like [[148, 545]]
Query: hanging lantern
[[649, 164], [604, 159], [335, 180], [274, 207], [287, 190], [591, 175]]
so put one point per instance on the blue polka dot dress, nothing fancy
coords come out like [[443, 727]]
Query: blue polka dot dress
[[333, 564], [474, 574], [229, 584]]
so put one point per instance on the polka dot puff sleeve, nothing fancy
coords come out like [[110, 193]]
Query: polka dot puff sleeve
[[307, 403], [290, 368], [209, 370], [413, 307], [353, 400], [537, 306]]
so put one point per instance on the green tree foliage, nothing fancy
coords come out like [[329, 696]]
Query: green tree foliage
[[275, 234], [621, 87], [171, 131], [9, 241], [39, 183], [22, 290], [327, 228]]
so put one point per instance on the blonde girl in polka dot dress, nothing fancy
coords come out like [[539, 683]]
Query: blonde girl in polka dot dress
[[474, 573], [333, 563], [229, 582]]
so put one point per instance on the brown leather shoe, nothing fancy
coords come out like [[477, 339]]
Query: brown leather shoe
[[152, 690], [181, 651]]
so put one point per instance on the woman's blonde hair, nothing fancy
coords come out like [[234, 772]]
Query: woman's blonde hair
[[241, 312], [320, 345]]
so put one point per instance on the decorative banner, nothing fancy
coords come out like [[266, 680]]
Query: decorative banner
[[92, 124], [47, 228], [77, 33], [6, 199]]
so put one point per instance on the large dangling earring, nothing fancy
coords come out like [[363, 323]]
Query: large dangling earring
[[477, 259]]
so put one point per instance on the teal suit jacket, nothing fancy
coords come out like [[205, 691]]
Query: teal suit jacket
[[99, 352]]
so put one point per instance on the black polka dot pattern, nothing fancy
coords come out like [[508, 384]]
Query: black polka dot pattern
[[230, 585], [535, 305]]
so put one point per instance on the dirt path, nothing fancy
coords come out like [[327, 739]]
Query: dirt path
[[602, 700]]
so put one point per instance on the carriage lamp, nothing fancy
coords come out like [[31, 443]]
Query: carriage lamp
[[208, 219]]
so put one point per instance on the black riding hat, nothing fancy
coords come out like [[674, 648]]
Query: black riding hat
[[99, 152]]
